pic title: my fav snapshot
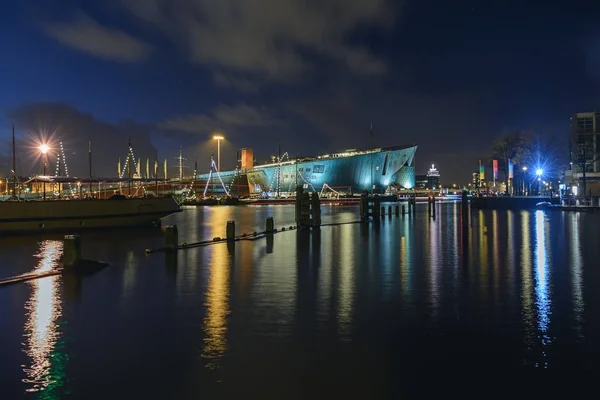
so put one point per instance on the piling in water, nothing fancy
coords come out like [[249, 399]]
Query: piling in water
[[390, 211], [315, 210], [72, 251], [403, 209], [465, 208], [382, 211], [270, 225], [364, 205], [230, 231], [398, 210], [171, 237]]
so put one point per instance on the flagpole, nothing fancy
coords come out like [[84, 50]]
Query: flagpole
[[372, 148]]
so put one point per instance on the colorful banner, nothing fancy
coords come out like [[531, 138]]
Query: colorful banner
[[510, 169], [481, 171], [495, 165]]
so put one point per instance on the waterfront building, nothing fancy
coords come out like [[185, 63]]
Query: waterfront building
[[421, 182], [584, 153], [433, 178]]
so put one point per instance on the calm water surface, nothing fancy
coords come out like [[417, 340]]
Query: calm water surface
[[408, 307]]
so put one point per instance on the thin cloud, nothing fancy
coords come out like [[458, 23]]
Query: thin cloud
[[223, 117], [88, 36]]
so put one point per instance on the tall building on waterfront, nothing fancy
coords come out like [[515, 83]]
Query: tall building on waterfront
[[584, 152], [433, 178], [585, 141]]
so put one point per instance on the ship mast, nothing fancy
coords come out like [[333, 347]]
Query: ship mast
[[279, 170]]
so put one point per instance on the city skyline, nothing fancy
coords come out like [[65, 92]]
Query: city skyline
[[448, 78]]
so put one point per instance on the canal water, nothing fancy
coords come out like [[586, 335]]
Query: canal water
[[406, 307]]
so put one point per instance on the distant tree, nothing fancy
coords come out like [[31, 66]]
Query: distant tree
[[585, 158], [515, 146]]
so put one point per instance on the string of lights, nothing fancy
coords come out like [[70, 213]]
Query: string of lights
[[135, 164]]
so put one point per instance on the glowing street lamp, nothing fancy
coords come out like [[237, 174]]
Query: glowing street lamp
[[539, 172], [218, 138], [524, 188], [44, 150]]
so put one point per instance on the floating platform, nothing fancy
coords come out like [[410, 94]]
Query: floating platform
[[510, 203]]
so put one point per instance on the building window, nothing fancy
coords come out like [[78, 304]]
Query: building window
[[318, 169], [307, 169]]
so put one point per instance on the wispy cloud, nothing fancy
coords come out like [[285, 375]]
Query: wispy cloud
[[87, 35], [223, 117], [237, 82], [276, 38]]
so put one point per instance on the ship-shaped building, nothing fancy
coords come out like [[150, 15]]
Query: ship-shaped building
[[350, 171]]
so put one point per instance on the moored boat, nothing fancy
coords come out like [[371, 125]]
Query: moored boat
[[75, 215]]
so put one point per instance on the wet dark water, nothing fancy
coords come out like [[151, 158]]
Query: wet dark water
[[408, 307]]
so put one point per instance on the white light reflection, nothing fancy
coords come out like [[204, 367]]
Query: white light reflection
[[434, 260], [542, 290], [576, 273], [43, 310], [526, 279]]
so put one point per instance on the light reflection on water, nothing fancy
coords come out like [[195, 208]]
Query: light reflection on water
[[41, 332], [365, 292], [577, 272], [527, 285], [542, 287], [217, 299], [346, 286]]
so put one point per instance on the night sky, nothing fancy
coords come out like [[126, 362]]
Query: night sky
[[310, 75]]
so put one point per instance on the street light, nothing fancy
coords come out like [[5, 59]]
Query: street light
[[218, 138], [539, 172], [524, 189], [44, 150]]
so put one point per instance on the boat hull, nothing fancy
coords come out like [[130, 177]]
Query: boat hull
[[76, 215], [375, 171]]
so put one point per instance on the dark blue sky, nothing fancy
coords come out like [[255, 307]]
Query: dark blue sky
[[448, 76]]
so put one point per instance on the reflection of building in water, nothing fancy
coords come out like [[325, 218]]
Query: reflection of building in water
[[346, 285], [406, 246], [576, 273], [46, 370]]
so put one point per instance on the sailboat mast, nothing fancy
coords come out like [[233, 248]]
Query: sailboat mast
[[14, 163], [129, 162], [90, 166], [180, 165]]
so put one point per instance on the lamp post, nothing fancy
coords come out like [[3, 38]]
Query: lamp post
[[218, 138], [538, 173], [524, 172], [44, 150]]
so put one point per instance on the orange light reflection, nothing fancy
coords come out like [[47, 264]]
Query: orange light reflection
[[43, 309]]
